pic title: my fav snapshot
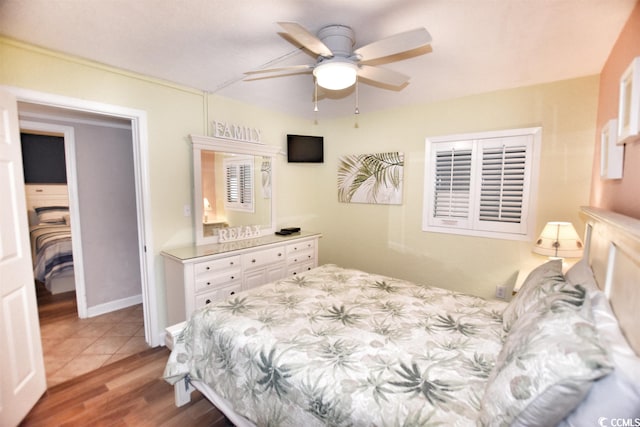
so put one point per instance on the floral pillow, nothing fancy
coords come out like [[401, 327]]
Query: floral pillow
[[618, 394], [544, 279], [547, 365]]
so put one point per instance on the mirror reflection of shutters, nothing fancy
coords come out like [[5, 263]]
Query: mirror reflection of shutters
[[239, 184], [245, 191], [452, 183], [233, 186]]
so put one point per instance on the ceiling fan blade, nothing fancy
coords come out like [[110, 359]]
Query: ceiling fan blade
[[395, 44], [381, 75], [306, 39], [278, 69]]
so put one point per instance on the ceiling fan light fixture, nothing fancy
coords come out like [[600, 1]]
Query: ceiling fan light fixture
[[336, 74]]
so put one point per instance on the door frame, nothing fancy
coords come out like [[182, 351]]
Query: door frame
[[139, 134], [68, 134]]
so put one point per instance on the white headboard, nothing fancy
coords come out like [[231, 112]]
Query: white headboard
[[39, 195], [46, 195], [612, 248]]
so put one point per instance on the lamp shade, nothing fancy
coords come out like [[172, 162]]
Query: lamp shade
[[336, 74], [560, 240]]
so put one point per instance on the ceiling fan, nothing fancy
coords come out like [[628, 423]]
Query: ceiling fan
[[338, 65]]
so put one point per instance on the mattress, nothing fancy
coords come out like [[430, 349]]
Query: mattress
[[339, 346]]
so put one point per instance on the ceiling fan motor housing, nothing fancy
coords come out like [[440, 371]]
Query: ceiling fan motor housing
[[339, 38]]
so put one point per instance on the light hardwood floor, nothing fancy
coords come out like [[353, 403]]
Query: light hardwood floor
[[128, 391]]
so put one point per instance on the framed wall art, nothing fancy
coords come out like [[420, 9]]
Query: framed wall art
[[371, 178]]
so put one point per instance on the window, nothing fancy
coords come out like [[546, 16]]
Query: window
[[482, 184], [238, 172]]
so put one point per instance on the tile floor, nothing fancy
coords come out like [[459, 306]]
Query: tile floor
[[73, 347]]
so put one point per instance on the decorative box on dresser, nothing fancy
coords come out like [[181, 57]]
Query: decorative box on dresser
[[198, 275]]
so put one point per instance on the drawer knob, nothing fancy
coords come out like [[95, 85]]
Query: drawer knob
[[279, 254], [208, 283], [208, 268], [208, 301], [253, 261], [233, 292], [232, 277], [231, 263], [295, 260]]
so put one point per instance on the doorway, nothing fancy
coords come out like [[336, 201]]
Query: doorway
[[138, 123]]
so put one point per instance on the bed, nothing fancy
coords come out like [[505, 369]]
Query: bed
[[51, 247], [339, 346]]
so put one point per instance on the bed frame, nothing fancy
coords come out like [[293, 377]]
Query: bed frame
[[612, 249]]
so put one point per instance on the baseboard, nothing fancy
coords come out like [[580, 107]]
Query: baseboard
[[110, 306]]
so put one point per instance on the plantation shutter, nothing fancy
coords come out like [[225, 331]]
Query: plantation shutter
[[504, 184], [481, 184], [452, 167], [239, 184]]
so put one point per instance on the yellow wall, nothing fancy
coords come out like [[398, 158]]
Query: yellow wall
[[385, 239], [388, 239], [173, 113]]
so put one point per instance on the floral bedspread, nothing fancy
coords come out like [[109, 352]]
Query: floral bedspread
[[342, 347]]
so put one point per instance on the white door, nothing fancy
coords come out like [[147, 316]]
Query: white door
[[22, 376]]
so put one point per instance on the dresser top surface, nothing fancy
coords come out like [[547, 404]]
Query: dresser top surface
[[186, 253]]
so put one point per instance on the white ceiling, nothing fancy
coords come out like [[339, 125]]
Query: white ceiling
[[478, 45]]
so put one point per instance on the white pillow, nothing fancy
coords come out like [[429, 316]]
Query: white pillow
[[616, 396], [52, 214]]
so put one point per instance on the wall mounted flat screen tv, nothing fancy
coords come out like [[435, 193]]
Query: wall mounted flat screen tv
[[43, 159], [305, 149]]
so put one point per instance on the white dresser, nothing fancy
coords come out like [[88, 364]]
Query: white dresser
[[198, 275]]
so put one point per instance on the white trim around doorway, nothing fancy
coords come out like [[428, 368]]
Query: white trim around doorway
[[139, 131]]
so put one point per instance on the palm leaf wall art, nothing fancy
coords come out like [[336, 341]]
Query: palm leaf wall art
[[371, 178]]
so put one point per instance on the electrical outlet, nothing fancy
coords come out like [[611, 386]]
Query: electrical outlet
[[501, 292], [187, 210]]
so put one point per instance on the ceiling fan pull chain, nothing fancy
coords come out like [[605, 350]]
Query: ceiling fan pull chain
[[357, 111]]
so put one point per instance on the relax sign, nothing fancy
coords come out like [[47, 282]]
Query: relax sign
[[238, 233]]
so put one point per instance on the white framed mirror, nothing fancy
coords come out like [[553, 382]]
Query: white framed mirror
[[234, 186]]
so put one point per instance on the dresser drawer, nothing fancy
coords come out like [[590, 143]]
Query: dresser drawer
[[215, 295], [263, 257], [301, 256], [300, 247], [213, 280], [232, 262], [296, 269]]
